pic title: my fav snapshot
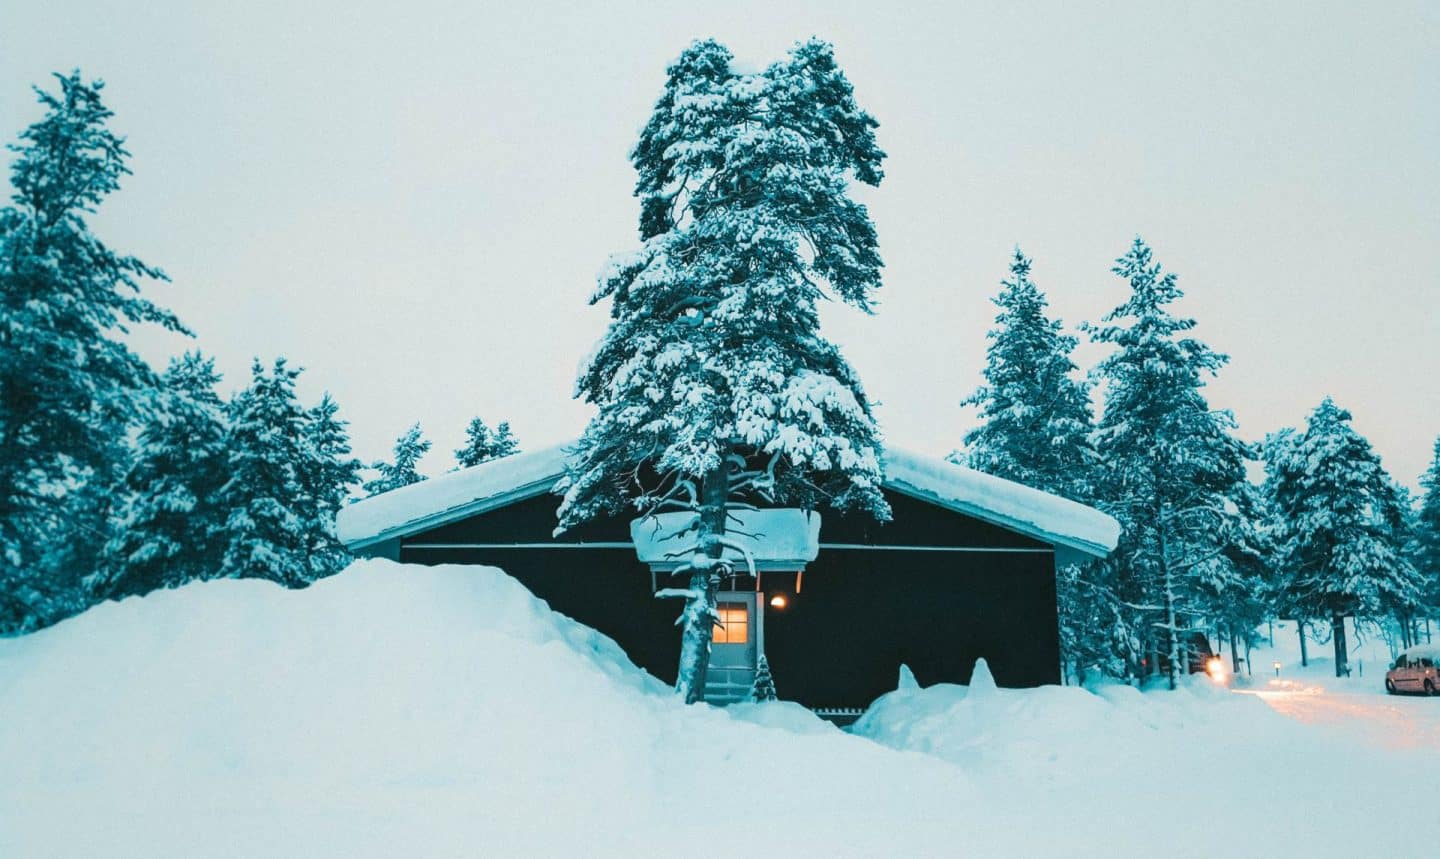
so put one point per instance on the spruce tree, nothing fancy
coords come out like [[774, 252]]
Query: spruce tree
[[409, 448], [69, 385], [1426, 529], [266, 532], [1171, 463], [1034, 416], [328, 473], [168, 529], [713, 383], [483, 444], [1034, 429], [1341, 544], [763, 689]]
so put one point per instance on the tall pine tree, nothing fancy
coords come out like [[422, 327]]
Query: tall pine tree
[[1171, 464], [713, 382], [1034, 415], [403, 471], [483, 444], [69, 385], [1034, 429], [328, 473], [266, 530], [1426, 548], [1341, 544], [168, 529]]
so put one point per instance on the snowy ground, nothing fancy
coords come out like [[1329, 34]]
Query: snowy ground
[[445, 712]]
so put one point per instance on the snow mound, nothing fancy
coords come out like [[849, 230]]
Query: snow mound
[[444, 711], [395, 710]]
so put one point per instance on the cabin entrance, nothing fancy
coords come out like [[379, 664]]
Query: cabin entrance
[[734, 648]]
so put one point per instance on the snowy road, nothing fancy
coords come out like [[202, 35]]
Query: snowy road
[[1390, 721]]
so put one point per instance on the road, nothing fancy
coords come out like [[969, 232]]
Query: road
[[1390, 721]]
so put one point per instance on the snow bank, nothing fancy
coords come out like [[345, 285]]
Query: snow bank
[[403, 711], [444, 711]]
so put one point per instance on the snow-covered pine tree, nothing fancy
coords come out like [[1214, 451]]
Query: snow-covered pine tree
[[328, 473], [266, 528], [1425, 551], [1034, 429], [1171, 464], [403, 471], [1034, 415], [69, 385], [713, 383], [1341, 546], [483, 444], [168, 528], [763, 689]]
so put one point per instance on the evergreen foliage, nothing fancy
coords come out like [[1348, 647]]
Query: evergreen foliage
[[169, 526], [328, 474], [1034, 416], [266, 534], [1034, 428], [713, 379], [69, 386], [483, 444], [1425, 551], [1172, 467], [1342, 526], [763, 689], [409, 448]]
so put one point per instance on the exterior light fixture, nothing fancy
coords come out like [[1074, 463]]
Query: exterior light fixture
[[1215, 667], [1277, 668], [779, 601]]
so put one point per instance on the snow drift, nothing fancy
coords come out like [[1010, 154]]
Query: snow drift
[[445, 711]]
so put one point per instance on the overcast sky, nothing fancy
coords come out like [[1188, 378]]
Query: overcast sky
[[412, 199]]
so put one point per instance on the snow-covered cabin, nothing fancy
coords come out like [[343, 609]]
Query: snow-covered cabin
[[965, 569]]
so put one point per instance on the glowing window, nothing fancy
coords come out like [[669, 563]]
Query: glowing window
[[733, 626]]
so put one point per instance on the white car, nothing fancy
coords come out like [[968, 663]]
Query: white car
[[1415, 670]]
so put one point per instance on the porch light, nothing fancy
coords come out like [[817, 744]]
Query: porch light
[[779, 601], [1215, 667]]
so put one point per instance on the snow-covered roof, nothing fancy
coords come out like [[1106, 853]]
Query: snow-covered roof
[[469, 491]]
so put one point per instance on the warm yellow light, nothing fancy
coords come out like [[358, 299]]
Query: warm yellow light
[[778, 601], [1215, 667]]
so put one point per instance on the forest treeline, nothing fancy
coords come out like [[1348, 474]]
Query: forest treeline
[[117, 478]]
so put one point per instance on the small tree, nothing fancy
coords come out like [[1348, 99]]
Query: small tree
[[483, 444], [763, 689], [409, 448], [713, 385], [1341, 544]]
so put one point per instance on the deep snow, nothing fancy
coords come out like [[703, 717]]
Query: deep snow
[[444, 711]]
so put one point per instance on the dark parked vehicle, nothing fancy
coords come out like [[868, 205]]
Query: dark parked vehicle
[[1415, 670]]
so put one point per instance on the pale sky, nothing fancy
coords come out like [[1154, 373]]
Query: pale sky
[[412, 200]]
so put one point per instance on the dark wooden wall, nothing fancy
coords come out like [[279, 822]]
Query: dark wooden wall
[[841, 640]]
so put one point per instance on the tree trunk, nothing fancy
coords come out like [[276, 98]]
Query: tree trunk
[[1174, 638], [1342, 655], [1427, 630], [699, 615], [1234, 653], [1304, 651], [1404, 632]]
